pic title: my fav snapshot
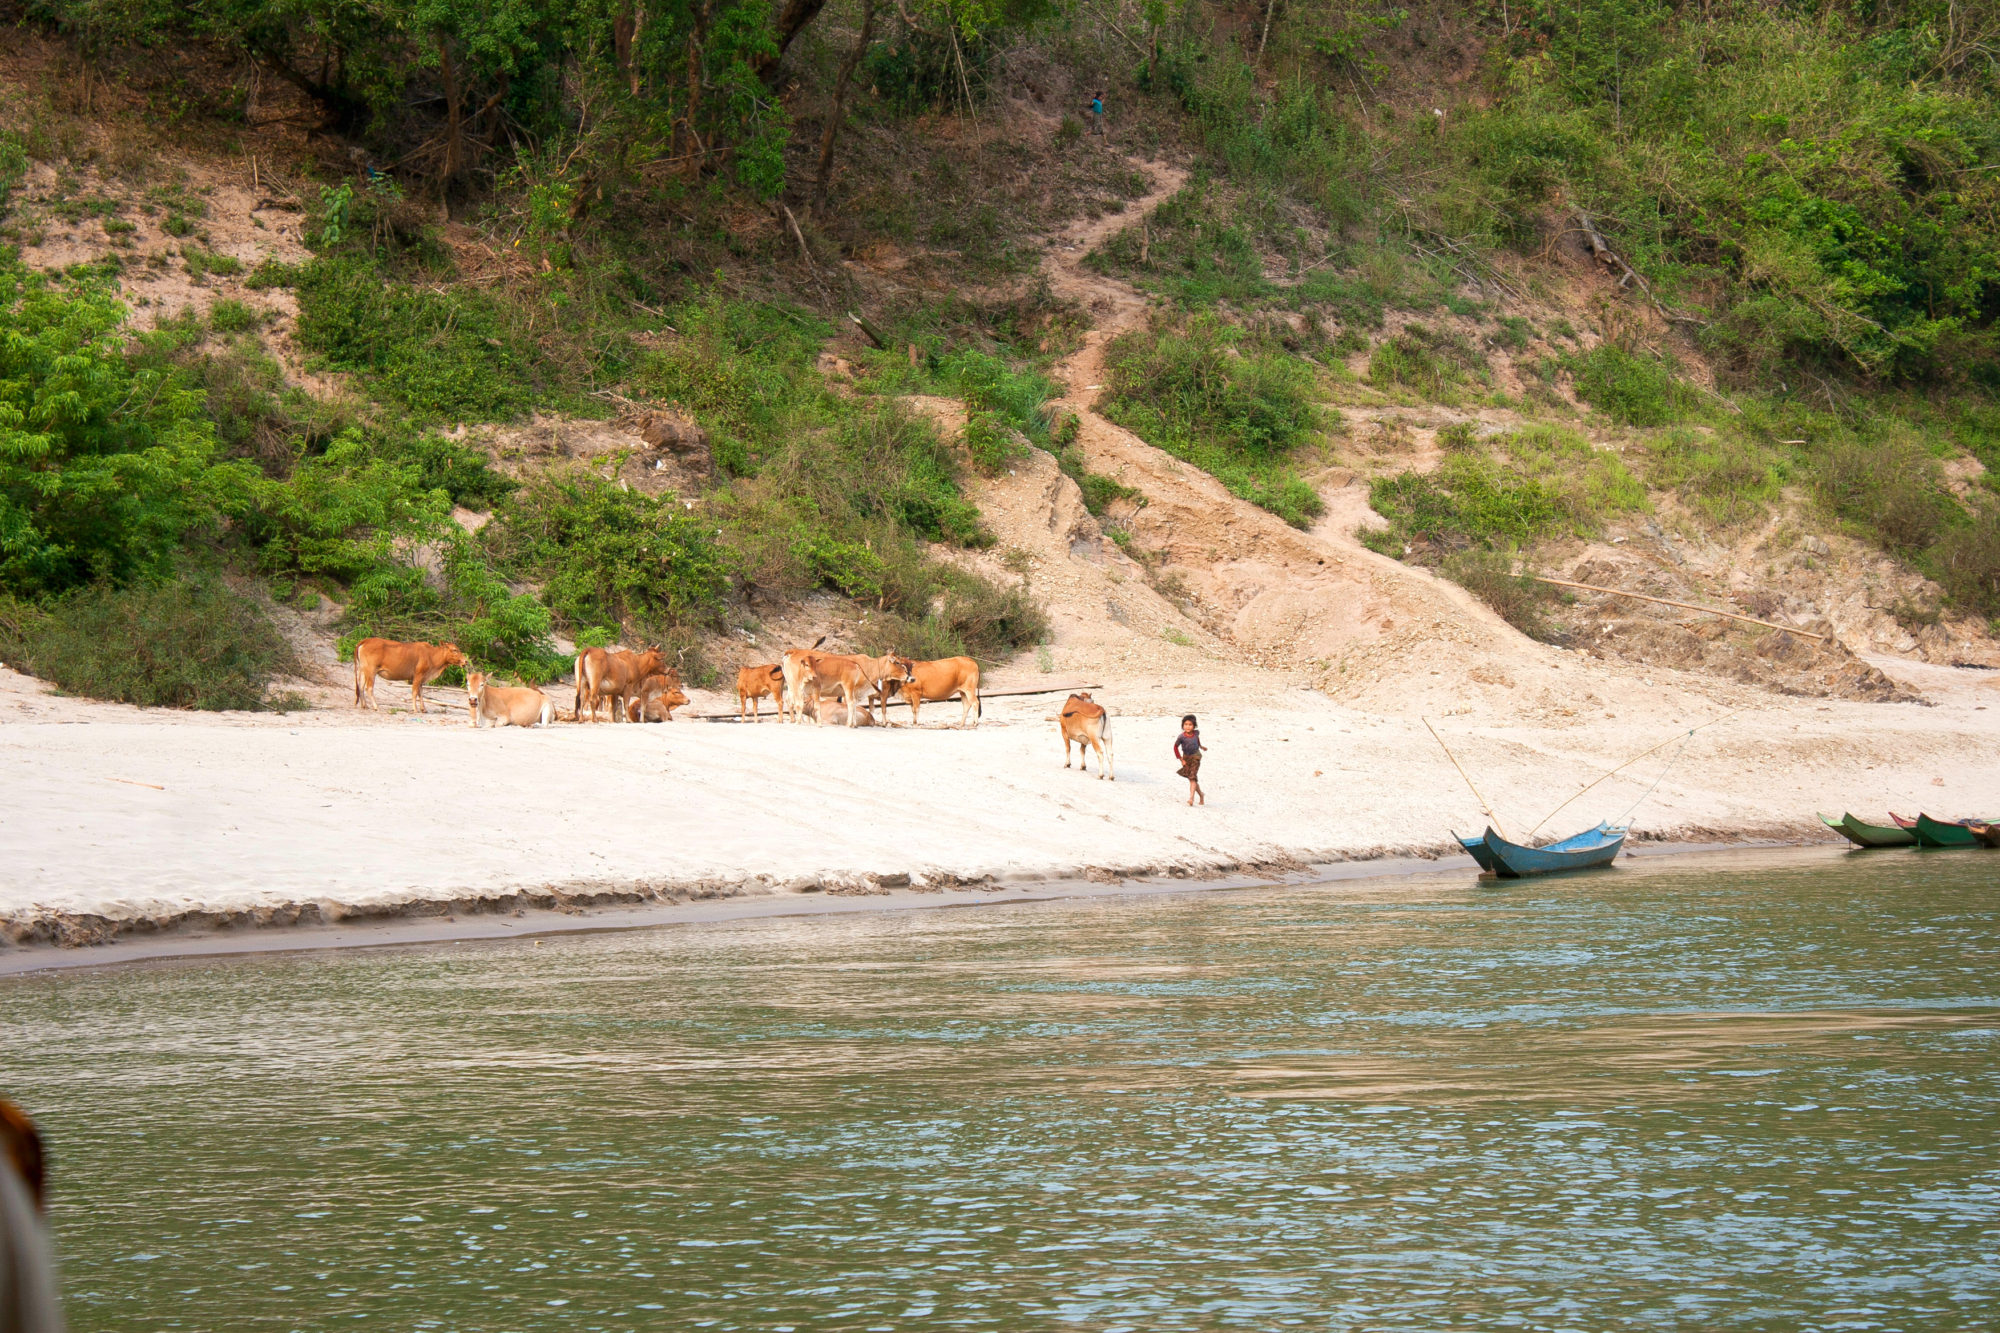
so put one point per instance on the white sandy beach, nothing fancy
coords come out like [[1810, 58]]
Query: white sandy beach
[[118, 818]]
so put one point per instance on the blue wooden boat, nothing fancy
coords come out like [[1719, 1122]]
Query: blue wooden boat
[[1593, 847], [1480, 852]]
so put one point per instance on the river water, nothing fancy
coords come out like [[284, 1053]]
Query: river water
[[1701, 1092]]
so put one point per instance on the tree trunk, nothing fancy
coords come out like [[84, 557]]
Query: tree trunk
[[454, 119], [792, 20], [833, 121], [697, 46], [625, 31]]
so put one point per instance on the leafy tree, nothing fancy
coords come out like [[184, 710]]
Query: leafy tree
[[105, 470]]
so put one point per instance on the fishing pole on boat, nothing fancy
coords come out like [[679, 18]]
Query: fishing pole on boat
[[1682, 737], [1485, 809]]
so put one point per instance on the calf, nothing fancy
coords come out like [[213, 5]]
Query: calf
[[505, 707], [656, 700], [1087, 724], [753, 684], [950, 677], [392, 659], [612, 677]]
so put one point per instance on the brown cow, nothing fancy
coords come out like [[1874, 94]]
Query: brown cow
[[1087, 724], [657, 698], [794, 667], [946, 678], [853, 677], [392, 659], [753, 683], [611, 677], [505, 707]]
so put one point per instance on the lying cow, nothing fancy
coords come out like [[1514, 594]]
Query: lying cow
[[754, 684], [947, 678], [392, 659], [505, 707], [854, 678], [613, 677], [657, 698], [1087, 724]]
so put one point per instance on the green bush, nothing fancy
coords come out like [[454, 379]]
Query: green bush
[[1632, 390], [990, 441], [1522, 601], [1966, 562], [1431, 361], [441, 355], [499, 630], [1890, 488], [107, 467], [1239, 415], [1592, 482], [1469, 500], [607, 556], [1728, 478], [189, 643]]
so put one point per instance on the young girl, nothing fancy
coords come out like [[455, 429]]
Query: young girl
[[1189, 750]]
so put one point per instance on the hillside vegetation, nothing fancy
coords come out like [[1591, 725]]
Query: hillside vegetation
[[1728, 261]]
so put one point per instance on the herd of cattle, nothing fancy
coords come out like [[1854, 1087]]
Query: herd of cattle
[[639, 686]]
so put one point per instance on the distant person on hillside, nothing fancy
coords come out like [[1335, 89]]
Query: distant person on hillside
[[1189, 749], [1097, 112]]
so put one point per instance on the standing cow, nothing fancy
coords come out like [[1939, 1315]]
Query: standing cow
[[1086, 724], [753, 684], [853, 677], [392, 659], [946, 678], [613, 677]]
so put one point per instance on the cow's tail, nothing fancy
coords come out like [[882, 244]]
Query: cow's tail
[[978, 708], [577, 704], [357, 678], [1104, 734]]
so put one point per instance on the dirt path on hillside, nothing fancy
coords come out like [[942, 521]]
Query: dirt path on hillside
[[1361, 626]]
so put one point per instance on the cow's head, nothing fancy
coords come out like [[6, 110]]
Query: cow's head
[[475, 685], [651, 661], [898, 672], [452, 656]]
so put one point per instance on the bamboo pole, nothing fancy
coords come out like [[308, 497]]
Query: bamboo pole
[[1485, 808], [1685, 606]]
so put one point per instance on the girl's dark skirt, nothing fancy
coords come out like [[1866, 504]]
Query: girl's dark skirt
[[1191, 767]]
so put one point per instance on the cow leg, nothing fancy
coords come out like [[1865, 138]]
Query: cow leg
[[1065, 752], [417, 690]]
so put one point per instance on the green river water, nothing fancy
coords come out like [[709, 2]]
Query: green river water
[[1702, 1092]]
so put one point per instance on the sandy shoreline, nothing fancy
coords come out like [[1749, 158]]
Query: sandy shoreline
[[127, 824], [496, 920]]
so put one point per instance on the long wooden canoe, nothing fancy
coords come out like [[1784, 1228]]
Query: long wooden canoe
[[1593, 847], [1986, 833], [1870, 835], [1480, 852], [1938, 834]]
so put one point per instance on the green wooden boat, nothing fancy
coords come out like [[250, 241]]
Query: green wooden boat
[[1870, 835], [1937, 834]]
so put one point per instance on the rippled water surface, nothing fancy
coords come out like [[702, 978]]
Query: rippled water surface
[[1691, 1093]]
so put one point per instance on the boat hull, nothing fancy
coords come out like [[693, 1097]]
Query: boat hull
[[1937, 835], [1986, 833], [1479, 852], [1585, 851], [1870, 835]]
